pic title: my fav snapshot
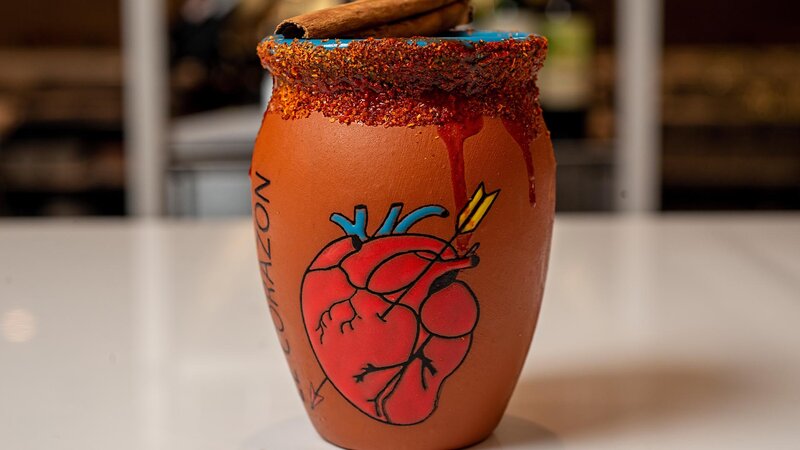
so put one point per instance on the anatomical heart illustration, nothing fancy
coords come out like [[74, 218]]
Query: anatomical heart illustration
[[386, 314]]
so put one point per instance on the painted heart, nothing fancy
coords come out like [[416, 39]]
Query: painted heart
[[386, 315]]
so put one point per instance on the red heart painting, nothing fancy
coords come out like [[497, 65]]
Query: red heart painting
[[386, 315]]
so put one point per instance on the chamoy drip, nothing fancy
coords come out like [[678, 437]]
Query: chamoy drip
[[453, 135], [523, 138]]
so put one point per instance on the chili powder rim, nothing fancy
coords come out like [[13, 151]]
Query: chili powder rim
[[407, 81]]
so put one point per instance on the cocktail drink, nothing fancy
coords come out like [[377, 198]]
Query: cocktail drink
[[403, 199]]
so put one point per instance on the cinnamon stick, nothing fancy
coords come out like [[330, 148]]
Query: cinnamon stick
[[426, 24], [378, 18]]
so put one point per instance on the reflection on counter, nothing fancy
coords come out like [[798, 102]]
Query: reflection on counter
[[18, 325]]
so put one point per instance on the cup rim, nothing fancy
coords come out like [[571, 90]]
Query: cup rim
[[467, 36]]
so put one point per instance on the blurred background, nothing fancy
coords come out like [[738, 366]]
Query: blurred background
[[151, 107]]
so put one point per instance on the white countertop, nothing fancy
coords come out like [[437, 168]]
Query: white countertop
[[656, 333]]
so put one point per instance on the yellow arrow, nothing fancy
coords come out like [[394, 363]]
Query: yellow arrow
[[472, 214]]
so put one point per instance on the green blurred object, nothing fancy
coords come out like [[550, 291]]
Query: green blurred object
[[566, 79]]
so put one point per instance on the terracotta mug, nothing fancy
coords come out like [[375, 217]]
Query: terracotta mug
[[403, 200]]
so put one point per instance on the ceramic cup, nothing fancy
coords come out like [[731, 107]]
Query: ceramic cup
[[403, 196]]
